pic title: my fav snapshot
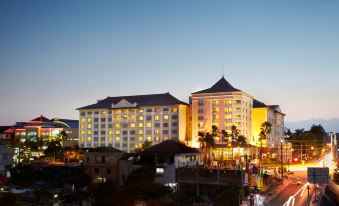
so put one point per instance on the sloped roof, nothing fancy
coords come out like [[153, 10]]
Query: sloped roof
[[169, 147], [258, 104], [70, 123], [140, 100], [40, 119], [103, 149], [221, 86]]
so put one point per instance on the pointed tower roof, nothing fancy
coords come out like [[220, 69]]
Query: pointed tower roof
[[40, 119], [221, 86]]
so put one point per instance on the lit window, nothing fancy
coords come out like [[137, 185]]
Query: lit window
[[89, 126], [110, 132], [89, 132], [82, 119], [148, 124], [215, 102], [89, 139], [165, 138], [229, 116], [141, 118], [117, 131], [157, 117], [82, 126], [132, 117], [110, 139], [141, 132], [141, 110], [133, 125], [82, 139], [141, 139], [228, 109], [141, 124], [157, 139], [117, 125], [117, 139], [160, 171], [89, 119], [149, 139], [174, 109], [215, 109], [156, 131], [82, 132], [103, 112], [228, 102], [165, 117]]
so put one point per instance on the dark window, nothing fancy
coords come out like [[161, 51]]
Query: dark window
[[87, 159], [103, 119], [96, 120], [96, 170], [109, 171], [103, 159]]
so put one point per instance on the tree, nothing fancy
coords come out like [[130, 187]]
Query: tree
[[318, 131], [234, 133], [224, 136], [206, 141], [265, 129], [241, 140], [54, 149], [145, 145]]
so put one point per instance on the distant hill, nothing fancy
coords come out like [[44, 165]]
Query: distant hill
[[330, 125]]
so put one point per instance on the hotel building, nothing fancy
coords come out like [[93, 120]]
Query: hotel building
[[221, 105], [126, 122], [267, 113]]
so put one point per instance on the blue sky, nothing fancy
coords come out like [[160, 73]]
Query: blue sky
[[56, 56]]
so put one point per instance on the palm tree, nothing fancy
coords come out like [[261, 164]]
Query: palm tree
[[224, 138], [207, 141], [265, 130], [234, 133], [241, 140]]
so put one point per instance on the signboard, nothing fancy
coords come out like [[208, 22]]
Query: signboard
[[318, 175]]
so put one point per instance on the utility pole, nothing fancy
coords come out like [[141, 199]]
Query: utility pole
[[308, 195], [281, 158]]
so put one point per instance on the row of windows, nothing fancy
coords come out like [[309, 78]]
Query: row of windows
[[124, 139], [227, 109], [227, 102], [125, 125], [132, 132], [124, 111], [132, 118]]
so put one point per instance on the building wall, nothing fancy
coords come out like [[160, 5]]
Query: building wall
[[259, 116], [222, 110], [267, 114], [96, 168], [125, 129]]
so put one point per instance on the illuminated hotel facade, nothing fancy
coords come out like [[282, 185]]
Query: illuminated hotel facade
[[221, 105], [267, 113], [128, 121]]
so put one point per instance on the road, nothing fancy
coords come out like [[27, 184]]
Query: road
[[298, 192], [296, 195]]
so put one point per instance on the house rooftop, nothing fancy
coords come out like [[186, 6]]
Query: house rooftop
[[169, 147]]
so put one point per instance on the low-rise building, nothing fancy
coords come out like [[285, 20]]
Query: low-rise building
[[164, 158], [101, 164]]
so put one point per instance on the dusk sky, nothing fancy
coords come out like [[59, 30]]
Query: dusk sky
[[56, 56]]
